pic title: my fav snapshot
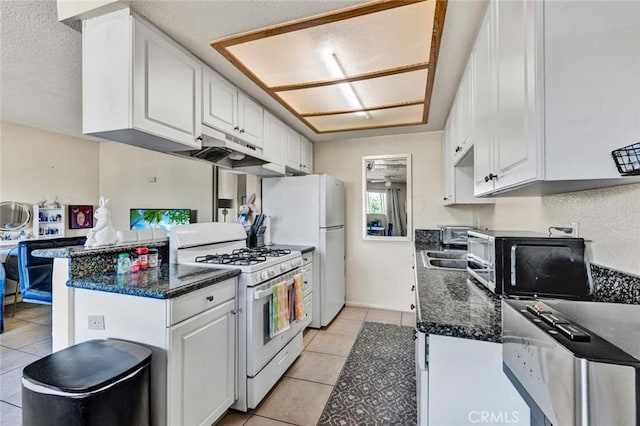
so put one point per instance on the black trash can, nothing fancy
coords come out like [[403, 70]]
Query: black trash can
[[96, 383]]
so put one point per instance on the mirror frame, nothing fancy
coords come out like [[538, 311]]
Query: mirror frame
[[363, 224], [22, 225]]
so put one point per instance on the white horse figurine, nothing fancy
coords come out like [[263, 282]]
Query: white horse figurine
[[103, 234]]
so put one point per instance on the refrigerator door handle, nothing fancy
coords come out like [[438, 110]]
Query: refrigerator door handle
[[333, 227]]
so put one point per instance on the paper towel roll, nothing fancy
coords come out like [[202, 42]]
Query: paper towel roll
[[267, 231]]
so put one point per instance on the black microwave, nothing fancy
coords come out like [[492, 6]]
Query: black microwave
[[528, 264]]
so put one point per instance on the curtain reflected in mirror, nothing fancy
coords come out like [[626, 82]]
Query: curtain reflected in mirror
[[386, 183]]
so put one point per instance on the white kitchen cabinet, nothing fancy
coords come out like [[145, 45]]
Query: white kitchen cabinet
[[227, 109], [193, 339], [483, 123], [465, 380], [457, 173], [545, 115], [219, 103], [139, 87], [518, 91], [464, 115], [49, 222], [202, 366], [306, 158], [275, 138], [250, 120], [293, 150]]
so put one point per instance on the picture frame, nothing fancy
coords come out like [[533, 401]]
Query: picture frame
[[80, 217]]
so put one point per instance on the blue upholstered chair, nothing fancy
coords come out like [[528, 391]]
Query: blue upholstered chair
[[2, 284], [36, 272]]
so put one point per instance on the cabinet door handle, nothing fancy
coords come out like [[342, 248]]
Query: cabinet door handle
[[445, 198], [413, 306], [492, 176], [241, 130], [458, 148], [199, 138], [306, 282], [233, 312], [413, 288], [210, 298], [486, 179], [236, 128]]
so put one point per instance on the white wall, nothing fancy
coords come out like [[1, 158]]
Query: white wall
[[379, 273], [180, 183], [35, 164], [609, 218]]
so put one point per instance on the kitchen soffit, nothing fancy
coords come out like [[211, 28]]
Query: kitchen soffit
[[365, 67]]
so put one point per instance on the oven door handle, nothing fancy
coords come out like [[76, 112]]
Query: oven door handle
[[268, 292]]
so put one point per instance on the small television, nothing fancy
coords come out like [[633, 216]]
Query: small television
[[158, 218]]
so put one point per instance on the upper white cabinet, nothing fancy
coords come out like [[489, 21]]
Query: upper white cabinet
[[250, 120], [275, 137], [464, 115], [554, 90], [293, 150], [227, 109], [139, 87], [306, 158], [219, 102]]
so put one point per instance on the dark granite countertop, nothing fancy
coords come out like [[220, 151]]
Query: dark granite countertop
[[79, 251], [303, 249], [451, 303], [165, 282]]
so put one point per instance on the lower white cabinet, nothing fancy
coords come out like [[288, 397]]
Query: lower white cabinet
[[202, 366], [466, 385], [193, 340]]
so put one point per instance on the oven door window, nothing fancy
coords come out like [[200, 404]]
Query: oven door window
[[551, 269]]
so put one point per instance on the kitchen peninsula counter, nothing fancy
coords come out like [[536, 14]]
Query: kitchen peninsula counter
[[77, 267], [451, 303], [165, 282]]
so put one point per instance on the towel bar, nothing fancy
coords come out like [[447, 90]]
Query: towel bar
[[268, 292]]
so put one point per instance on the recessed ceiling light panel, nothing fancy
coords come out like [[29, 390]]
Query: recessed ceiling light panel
[[380, 55]]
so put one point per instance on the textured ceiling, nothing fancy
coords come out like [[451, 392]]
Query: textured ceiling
[[41, 58]]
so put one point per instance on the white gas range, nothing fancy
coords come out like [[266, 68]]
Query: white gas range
[[261, 360]]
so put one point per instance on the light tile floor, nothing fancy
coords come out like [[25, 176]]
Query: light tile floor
[[300, 396], [26, 338], [307, 384]]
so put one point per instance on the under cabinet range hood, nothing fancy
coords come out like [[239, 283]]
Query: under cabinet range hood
[[232, 153], [224, 150]]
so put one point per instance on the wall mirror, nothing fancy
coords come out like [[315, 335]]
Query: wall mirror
[[13, 216], [386, 196]]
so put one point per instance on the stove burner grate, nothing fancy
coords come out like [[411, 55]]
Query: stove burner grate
[[231, 259]]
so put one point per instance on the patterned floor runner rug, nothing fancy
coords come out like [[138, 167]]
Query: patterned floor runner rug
[[377, 385]]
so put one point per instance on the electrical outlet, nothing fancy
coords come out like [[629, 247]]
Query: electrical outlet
[[96, 322]]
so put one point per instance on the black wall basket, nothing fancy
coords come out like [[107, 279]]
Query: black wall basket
[[627, 159]]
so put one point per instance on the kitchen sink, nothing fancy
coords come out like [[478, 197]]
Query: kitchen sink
[[451, 254], [451, 260]]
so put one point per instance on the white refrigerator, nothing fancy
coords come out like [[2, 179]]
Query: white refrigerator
[[309, 210]]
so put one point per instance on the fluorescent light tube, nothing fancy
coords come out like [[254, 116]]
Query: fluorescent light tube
[[347, 89]]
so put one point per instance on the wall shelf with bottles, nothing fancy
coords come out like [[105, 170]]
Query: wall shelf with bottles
[[49, 221]]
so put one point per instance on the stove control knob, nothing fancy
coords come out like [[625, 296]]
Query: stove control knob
[[264, 275], [272, 272], [284, 267]]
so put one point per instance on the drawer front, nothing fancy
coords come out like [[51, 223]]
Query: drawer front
[[307, 258], [183, 307]]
